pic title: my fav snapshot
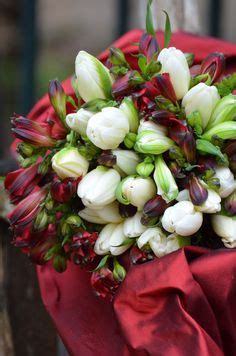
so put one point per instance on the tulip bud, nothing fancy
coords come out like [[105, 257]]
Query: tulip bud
[[136, 191], [197, 192], [212, 204], [227, 182], [230, 204], [57, 97], [78, 121], [110, 240], [98, 187], [225, 227], [107, 129], [148, 125], [105, 215], [201, 98], [182, 218], [152, 142], [225, 110], [153, 209], [225, 131], [130, 111], [213, 64], [165, 87], [126, 161], [165, 182], [68, 162], [119, 272], [133, 226], [130, 139], [174, 62], [94, 79]]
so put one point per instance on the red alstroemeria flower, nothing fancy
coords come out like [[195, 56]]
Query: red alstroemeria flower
[[63, 191], [26, 210], [148, 45], [165, 87], [21, 182], [104, 284], [127, 84], [35, 133], [138, 256], [83, 247], [214, 65]]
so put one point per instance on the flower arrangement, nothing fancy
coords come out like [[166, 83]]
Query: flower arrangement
[[138, 162]]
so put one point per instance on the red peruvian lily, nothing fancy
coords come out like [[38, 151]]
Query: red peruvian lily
[[153, 209], [197, 192], [165, 87], [178, 132], [63, 191], [83, 247], [21, 182], [104, 284], [214, 65], [27, 209], [138, 256], [127, 84], [230, 150], [32, 132], [148, 45]]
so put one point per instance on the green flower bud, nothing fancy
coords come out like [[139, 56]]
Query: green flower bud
[[119, 272], [166, 185], [224, 130], [74, 220], [153, 143], [144, 169], [225, 110], [41, 220], [130, 139], [59, 263]]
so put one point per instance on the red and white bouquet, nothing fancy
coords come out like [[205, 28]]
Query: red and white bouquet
[[140, 160]]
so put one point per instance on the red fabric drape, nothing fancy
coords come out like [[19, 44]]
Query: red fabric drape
[[181, 304]]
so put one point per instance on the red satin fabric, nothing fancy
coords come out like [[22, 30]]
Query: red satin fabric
[[182, 304]]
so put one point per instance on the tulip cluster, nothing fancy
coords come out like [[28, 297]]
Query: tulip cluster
[[133, 161]]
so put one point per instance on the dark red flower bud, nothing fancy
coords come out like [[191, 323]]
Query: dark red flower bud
[[126, 211], [27, 209], [83, 247], [214, 65], [107, 159], [230, 148], [176, 170], [197, 192], [153, 209], [127, 84], [33, 132], [38, 251], [63, 191], [230, 204], [148, 45], [57, 97], [138, 256], [189, 147], [20, 183], [165, 87], [104, 284], [205, 163], [165, 118]]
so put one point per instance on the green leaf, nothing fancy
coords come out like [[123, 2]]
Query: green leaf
[[102, 263], [149, 19], [167, 33], [227, 85]]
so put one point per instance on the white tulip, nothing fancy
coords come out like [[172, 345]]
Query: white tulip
[[130, 111], [133, 226], [136, 191], [225, 227], [182, 218], [212, 204], [93, 78], [78, 121], [149, 141], [105, 215], [201, 98], [98, 187], [148, 125], [107, 129], [227, 182], [68, 162], [126, 161], [174, 62], [110, 239]]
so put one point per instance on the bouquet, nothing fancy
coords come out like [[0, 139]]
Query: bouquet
[[138, 163]]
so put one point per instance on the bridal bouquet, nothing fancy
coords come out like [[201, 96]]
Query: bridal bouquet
[[139, 160]]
